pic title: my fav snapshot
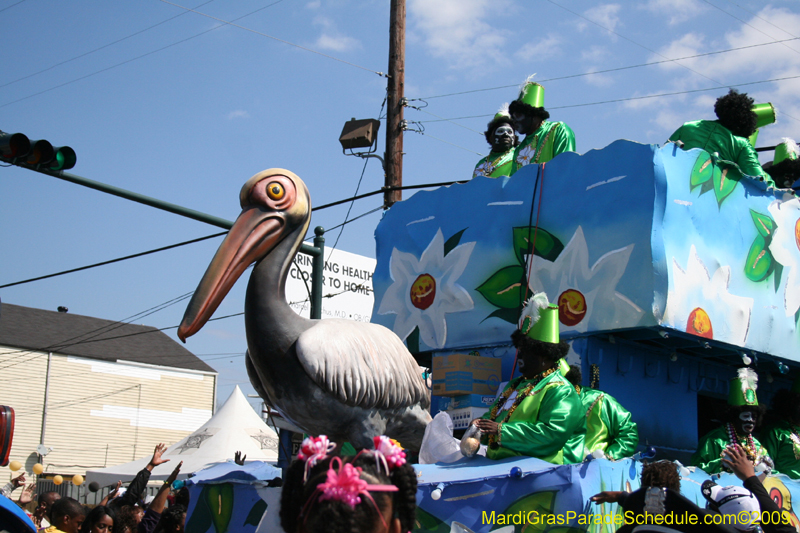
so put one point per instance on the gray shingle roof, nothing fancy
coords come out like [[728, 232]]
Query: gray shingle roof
[[95, 338]]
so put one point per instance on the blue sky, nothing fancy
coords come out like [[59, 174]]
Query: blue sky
[[178, 105]]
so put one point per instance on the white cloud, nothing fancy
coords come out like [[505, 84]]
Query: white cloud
[[314, 5], [548, 46], [332, 39], [458, 31], [605, 16], [599, 80], [676, 11], [594, 53], [239, 113]]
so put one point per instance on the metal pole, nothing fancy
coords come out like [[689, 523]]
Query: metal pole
[[394, 102], [46, 398], [317, 267]]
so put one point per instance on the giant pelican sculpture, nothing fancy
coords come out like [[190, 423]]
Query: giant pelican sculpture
[[348, 380]]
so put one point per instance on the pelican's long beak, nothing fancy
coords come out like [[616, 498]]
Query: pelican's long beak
[[252, 236]]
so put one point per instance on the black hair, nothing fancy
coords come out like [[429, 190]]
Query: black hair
[[65, 507], [126, 519], [491, 126], [735, 112], [784, 173], [47, 495], [95, 515], [786, 405], [661, 474], [517, 106], [182, 497], [730, 413], [548, 350], [333, 516], [172, 518], [574, 375]]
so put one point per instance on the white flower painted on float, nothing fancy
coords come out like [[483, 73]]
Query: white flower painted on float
[[425, 290], [701, 305], [586, 297], [785, 248]]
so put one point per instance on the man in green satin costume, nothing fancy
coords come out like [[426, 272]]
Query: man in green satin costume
[[543, 139], [537, 412], [782, 439], [728, 135], [502, 138], [607, 425], [741, 417]]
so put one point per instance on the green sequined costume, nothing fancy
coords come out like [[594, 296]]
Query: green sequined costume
[[495, 164], [708, 455], [542, 422], [549, 140], [712, 137], [782, 442], [607, 426]]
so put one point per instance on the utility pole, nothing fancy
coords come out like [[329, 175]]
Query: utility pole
[[394, 102]]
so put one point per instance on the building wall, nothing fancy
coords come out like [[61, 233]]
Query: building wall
[[99, 413]]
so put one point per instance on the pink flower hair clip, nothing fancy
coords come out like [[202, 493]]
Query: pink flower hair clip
[[389, 453], [313, 450], [345, 485]]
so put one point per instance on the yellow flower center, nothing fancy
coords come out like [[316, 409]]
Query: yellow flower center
[[797, 233], [423, 291], [699, 324], [571, 307]]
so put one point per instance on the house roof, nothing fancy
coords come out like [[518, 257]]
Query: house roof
[[95, 338]]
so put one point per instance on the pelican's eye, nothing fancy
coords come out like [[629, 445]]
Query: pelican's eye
[[275, 191]]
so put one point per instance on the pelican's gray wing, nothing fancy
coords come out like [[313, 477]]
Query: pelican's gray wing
[[361, 364]]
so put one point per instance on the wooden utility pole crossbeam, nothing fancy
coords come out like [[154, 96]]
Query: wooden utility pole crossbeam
[[394, 102]]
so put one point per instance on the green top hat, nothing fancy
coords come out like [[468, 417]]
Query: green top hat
[[765, 114], [787, 149], [502, 112], [540, 319], [532, 94], [743, 388]]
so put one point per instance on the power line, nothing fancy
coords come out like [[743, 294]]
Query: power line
[[51, 67], [132, 59], [750, 25], [12, 5], [277, 39], [582, 74], [761, 18], [110, 261]]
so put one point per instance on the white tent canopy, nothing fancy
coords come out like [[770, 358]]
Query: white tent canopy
[[234, 427]]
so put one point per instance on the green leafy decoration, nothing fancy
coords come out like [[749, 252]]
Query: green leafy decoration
[[725, 182], [505, 288], [764, 224], [220, 501], [509, 315], [200, 519], [539, 504], [777, 270], [547, 245], [759, 262], [428, 523], [453, 241], [256, 513], [412, 341], [702, 171]]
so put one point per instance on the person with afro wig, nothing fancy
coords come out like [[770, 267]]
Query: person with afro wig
[[538, 412], [782, 438], [728, 135], [373, 491], [502, 137]]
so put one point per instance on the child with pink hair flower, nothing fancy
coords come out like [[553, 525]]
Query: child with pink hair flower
[[372, 492]]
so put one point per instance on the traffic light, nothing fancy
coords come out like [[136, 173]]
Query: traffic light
[[17, 149]]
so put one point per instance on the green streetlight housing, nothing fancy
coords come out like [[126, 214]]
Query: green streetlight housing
[[17, 149]]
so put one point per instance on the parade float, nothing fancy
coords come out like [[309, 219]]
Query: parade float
[[670, 271]]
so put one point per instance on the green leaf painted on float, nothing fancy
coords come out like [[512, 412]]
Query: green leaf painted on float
[[256, 513], [547, 245], [725, 182], [764, 224], [505, 288], [425, 521], [540, 504], [453, 241], [200, 519], [509, 315], [702, 171], [777, 270], [412, 341], [759, 260], [220, 501]]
